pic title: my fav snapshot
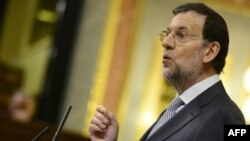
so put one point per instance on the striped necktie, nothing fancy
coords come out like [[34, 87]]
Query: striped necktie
[[169, 113]]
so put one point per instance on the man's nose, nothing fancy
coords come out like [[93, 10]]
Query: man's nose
[[168, 42]]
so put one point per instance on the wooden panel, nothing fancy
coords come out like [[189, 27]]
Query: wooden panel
[[121, 54]]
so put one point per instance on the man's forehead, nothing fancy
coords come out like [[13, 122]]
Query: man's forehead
[[188, 20]]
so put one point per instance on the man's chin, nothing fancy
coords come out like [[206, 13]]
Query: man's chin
[[166, 72]]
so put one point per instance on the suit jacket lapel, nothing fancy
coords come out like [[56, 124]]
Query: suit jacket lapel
[[186, 115], [179, 120]]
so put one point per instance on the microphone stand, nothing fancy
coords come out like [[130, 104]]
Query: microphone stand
[[37, 137], [56, 135]]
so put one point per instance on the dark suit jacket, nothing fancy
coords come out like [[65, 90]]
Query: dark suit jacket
[[202, 119]]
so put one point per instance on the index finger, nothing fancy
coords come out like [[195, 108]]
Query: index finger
[[102, 109], [105, 112]]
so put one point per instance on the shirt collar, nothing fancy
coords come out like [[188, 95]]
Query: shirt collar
[[195, 90]]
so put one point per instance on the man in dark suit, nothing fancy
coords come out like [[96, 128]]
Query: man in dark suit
[[195, 47]]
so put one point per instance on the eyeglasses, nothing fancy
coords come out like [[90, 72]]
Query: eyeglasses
[[179, 36]]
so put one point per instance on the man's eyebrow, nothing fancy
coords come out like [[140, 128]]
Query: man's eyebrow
[[177, 29], [182, 28]]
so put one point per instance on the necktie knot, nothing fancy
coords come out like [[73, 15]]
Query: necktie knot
[[175, 104]]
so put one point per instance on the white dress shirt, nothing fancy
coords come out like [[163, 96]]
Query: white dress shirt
[[194, 91]]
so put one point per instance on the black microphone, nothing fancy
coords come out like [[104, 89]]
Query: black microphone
[[37, 137], [58, 131]]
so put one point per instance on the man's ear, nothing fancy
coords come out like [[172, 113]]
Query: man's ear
[[211, 51]]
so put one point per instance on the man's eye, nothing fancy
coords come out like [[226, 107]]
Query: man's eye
[[182, 35]]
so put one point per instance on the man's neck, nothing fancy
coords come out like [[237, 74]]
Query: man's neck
[[183, 84]]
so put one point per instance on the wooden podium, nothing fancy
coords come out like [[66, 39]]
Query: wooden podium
[[15, 131]]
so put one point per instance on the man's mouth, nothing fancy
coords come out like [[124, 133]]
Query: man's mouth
[[166, 59]]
